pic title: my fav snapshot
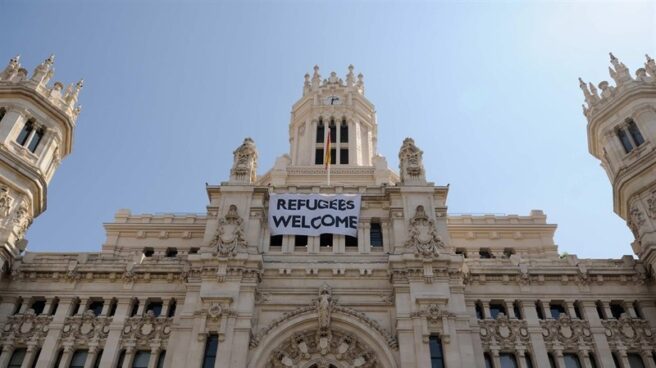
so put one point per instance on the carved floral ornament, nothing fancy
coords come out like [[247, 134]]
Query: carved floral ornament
[[229, 235], [22, 218], [566, 332], [86, 327], [651, 206], [627, 332], [504, 333], [26, 327], [147, 329], [423, 234]]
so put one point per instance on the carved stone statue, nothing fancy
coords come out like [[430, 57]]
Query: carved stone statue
[[244, 167], [22, 219], [230, 233], [5, 201], [423, 234], [411, 163], [324, 305]]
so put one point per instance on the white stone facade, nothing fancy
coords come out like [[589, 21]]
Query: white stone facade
[[419, 287]]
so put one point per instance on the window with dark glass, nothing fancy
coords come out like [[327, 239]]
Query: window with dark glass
[[171, 252], [96, 307], [211, 347], [488, 360], [121, 358], [624, 139], [635, 133], [351, 241], [556, 309], [36, 358], [79, 358], [552, 361], [38, 306], [517, 310], [333, 131], [508, 252], [172, 306], [321, 132], [333, 156], [160, 359], [300, 240], [3, 111], [343, 156], [571, 360], [616, 360], [638, 310], [376, 234], [25, 133], [18, 306], [325, 240], [436, 353], [343, 132], [194, 250], [507, 360], [593, 360], [528, 360], [485, 253], [112, 307], [34, 143], [59, 358], [148, 252], [141, 359], [275, 240], [135, 307], [616, 309], [17, 358], [155, 306], [496, 308], [478, 307], [318, 156], [538, 310], [635, 360]]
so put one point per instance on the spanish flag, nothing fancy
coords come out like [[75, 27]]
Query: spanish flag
[[327, 151]]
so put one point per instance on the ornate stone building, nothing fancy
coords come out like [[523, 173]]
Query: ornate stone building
[[417, 287]]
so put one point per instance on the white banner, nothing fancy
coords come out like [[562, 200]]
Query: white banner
[[314, 214]]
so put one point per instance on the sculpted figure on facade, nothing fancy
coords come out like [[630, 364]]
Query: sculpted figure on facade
[[244, 167], [5, 201], [423, 234], [324, 304], [22, 219], [411, 163], [230, 233]]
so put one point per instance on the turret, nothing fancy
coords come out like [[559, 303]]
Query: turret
[[622, 135], [37, 120]]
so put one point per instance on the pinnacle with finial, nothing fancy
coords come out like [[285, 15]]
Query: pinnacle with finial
[[612, 57], [648, 58]]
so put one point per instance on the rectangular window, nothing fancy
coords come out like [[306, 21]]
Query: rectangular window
[[54, 306], [160, 359], [333, 156], [211, 347], [496, 309], [79, 358], [25, 133], [635, 133], [351, 241], [556, 309], [75, 307], [320, 132], [17, 358], [538, 310], [376, 234], [38, 136], [275, 241], [436, 353], [141, 359], [96, 306], [112, 307], [36, 358], [635, 360], [517, 310], [325, 240], [616, 309], [172, 305], [333, 133], [343, 132], [39, 306], [318, 156], [119, 364], [300, 240], [155, 307], [96, 364], [135, 307], [343, 156], [571, 360], [479, 310], [508, 360]]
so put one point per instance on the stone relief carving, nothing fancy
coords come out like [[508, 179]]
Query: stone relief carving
[[244, 167], [5, 201], [146, 330], [340, 349], [230, 233], [411, 163], [651, 206], [26, 327], [84, 328], [324, 306], [22, 219], [566, 333], [636, 221], [628, 333], [503, 333], [423, 234]]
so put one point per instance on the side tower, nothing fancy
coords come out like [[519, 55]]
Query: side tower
[[622, 135], [36, 132]]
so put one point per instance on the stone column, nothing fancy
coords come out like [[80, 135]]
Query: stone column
[[165, 307], [7, 351], [129, 357], [648, 358], [364, 243], [50, 350], [624, 359], [30, 355], [521, 358], [112, 345], [571, 311], [105, 308], [535, 334], [84, 303], [486, 309], [607, 311], [604, 356], [584, 357], [628, 307], [558, 357], [66, 356], [496, 360], [91, 356], [154, 355], [509, 309]]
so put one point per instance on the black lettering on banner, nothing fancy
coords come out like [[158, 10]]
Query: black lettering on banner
[[281, 204], [342, 220], [284, 220], [350, 205]]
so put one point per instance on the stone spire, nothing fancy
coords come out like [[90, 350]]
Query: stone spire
[[11, 69], [619, 72], [44, 71], [316, 78], [244, 167], [411, 163], [350, 77]]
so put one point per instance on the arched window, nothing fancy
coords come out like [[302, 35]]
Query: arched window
[[25, 133], [508, 360], [635, 133], [321, 131], [79, 358], [343, 132], [571, 360]]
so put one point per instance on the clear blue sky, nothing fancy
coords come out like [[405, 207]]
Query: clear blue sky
[[488, 90]]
